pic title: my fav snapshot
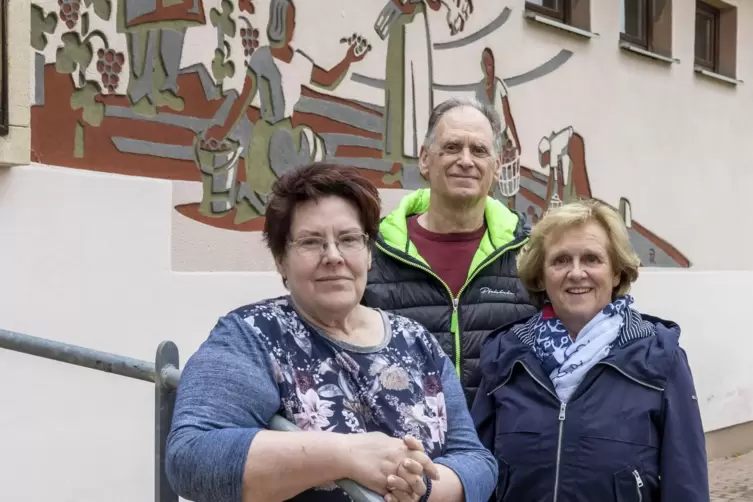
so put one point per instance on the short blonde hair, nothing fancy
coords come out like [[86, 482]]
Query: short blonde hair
[[576, 214]]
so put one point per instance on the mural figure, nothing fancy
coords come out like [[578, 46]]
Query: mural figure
[[276, 74], [493, 91], [409, 97], [156, 30], [409, 94], [563, 154]]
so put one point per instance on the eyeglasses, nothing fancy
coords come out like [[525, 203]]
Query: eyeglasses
[[317, 246]]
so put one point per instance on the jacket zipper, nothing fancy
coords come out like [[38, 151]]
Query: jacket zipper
[[561, 419], [455, 299], [638, 485], [456, 336]]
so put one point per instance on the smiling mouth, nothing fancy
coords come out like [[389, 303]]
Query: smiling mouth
[[578, 291], [333, 279]]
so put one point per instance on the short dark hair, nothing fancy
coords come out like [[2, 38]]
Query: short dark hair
[[312, 182], [488, 111]]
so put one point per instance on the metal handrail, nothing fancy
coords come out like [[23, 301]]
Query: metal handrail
[[165, 374]]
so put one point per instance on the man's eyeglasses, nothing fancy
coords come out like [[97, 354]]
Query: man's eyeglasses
[[317, 246]]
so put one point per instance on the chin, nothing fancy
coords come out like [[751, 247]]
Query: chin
[[465, 193], [585, 312], [338, 301], [578, 308]]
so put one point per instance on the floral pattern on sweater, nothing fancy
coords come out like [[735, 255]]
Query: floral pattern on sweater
[[325, 385]]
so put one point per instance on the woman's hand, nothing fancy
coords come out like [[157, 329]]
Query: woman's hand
[[374, 457], [408, 485]]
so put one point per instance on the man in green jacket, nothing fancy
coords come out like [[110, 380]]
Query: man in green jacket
[[446, 256]]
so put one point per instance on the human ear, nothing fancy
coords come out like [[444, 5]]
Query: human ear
[[497, 168], [282, 270], [423, 162]]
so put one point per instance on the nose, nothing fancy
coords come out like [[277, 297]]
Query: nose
[[466, 159], [331, 253], [576, 271]]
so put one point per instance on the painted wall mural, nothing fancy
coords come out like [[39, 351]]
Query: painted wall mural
[[219, 92]]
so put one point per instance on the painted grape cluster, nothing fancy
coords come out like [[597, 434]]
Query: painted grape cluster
[[69, 12], [109, 66], [250, 40]]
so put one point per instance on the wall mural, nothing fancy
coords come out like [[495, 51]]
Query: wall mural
[[119, 87]]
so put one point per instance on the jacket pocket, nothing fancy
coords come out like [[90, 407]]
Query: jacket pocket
[[503, 481], [629, 485]]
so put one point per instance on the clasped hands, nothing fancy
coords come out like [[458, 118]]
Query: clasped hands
[[401, 464], [407, 485]]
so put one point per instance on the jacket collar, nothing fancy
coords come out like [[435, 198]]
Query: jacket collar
[[646, 359], [504, 225]]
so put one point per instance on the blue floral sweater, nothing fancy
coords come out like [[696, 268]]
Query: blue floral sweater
[[264, 359]]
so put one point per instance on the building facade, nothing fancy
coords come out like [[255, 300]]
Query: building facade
[[142, 137]]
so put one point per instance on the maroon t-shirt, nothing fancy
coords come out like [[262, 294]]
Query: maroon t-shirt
[[448, 255]]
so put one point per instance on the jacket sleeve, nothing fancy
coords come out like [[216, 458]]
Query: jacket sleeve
[[483, 414], [684, 468]]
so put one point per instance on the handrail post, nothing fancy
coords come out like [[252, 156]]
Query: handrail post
[[164, 405]]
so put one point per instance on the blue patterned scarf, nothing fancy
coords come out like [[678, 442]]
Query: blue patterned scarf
[[567, 361]]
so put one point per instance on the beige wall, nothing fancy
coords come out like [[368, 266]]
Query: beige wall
[[94, 252]]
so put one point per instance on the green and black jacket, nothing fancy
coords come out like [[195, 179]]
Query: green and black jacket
[[401, 281]]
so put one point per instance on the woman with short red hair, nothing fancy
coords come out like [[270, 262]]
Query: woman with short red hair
[[377, 399]]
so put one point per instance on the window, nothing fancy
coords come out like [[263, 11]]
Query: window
[[575, 13], [707, 36], [648, 25], [716, 38], [556, 9], [636, 22]]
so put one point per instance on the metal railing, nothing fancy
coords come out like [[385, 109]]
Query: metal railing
[[164, 372]]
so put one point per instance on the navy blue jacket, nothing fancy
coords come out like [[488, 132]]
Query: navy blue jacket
[[631, 432]]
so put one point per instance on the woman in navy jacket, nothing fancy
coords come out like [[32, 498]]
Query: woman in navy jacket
[[589, 400]]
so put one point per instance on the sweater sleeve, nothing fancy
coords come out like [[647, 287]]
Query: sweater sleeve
[[227, 393], [684, 471], [464, 454]]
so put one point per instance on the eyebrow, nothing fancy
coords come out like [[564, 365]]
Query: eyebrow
[[350, 230], [587, 251], [316, 233], [452, 141], [474, 143]]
